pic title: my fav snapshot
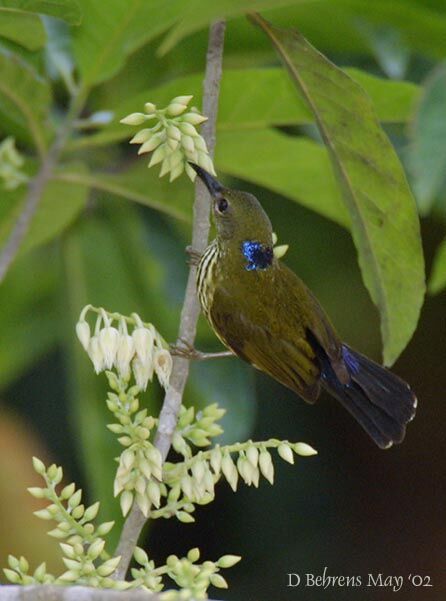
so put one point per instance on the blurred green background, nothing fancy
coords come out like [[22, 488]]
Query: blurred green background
[[353, 508]]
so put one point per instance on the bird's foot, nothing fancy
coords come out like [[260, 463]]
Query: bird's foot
[[194, 256], [186, 350]]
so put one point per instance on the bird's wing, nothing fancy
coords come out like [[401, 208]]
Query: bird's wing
[[267, 343]]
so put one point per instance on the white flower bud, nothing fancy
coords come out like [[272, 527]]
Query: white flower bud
[[150, 108], [200, 144], [216, 459], [227, 561], [187, 142], [126, 350], [174, 133], [252, 455], [143, 340], [96, 355], [143, 372], [152, 143], [134, 119], [218, 581], [172, 144], [194, 118], [176, 158], [229, 471], [280, 251], [126, 502], [176, 108], [286, 453], [204, 160], [274, 237], [158, 155], [182, 99], [153, 492], [108, 342], [188, 130], [143, 135], [165, 166], [162, 362], [83, 333], [303, 449], [176, 171]]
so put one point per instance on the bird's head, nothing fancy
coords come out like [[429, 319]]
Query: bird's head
[[238, 215]]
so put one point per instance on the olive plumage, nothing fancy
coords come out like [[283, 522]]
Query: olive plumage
[[262, 311]]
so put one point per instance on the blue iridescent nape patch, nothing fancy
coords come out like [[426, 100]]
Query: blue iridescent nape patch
[[259, 256]]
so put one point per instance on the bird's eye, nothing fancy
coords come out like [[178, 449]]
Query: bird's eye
[[222, 205]]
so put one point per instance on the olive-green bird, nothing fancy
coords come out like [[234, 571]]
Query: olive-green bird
[[266, 315]]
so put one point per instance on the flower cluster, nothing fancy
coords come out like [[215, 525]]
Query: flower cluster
[[143, 352], [193, 579], [139, 474], [173, 140], [83, 551], [11, 165]]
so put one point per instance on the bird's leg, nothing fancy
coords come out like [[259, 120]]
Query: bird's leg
[[186, 350], [194, 256]]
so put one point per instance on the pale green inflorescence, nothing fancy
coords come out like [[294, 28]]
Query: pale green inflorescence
[[11, 165], [173, 139], [131, 352]]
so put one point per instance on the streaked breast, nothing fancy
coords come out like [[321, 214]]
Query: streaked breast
[[206, 277]]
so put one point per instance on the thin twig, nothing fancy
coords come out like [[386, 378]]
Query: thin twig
[[51, 592], [35, 191], [191, 309]]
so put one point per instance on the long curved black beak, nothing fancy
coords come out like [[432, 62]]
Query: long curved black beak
[[212, 184]]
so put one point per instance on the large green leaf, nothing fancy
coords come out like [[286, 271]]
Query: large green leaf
[[22, 28], [68, 10], [27, 315], [385, 225], [111, 31], [142, 185], [24, 95], [197, 14], [427, 156], [246, 101], [295, 167], [60, 204]]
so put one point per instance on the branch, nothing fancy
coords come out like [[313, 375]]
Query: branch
[[51, 592], [35, 191], [191, 308]]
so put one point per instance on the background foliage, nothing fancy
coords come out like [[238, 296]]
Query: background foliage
[[109, 232]]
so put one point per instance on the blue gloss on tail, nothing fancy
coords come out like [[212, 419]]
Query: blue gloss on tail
[[380, 401]]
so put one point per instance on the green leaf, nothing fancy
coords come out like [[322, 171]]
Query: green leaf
[[437, 280], [141, 185], [295, 167], [68, 10], [385, 225], [58, 208], [427, 158], [22, 28], [111, 31], [25, 299], [246, 101], [24, 95]]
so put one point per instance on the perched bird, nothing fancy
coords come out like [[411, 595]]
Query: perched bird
[[266, 315]]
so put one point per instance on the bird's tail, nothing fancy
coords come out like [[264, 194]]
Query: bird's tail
[[381, 402]]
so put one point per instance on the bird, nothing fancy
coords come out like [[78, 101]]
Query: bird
[[265, 314]]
